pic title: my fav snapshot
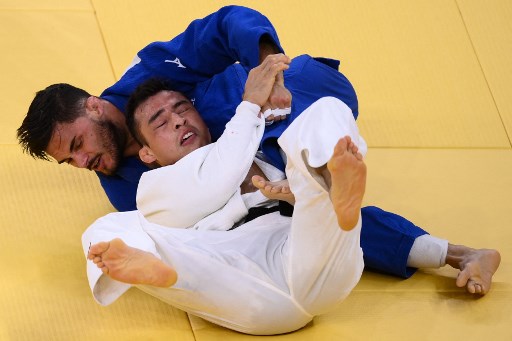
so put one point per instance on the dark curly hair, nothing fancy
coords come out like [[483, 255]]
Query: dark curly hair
[[58, 103]]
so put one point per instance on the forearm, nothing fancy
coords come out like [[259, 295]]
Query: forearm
[[280, 97]]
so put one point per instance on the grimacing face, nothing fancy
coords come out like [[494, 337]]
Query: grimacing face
[[88, 142], [171, 126]]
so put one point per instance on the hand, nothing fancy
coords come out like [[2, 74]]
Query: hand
[[261, 80], [280, 98]]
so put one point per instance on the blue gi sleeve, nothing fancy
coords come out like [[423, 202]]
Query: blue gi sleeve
[[207, 47], [232, 34]]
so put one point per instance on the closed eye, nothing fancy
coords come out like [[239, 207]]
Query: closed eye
[[183, 111], [76, 143], [181, 107], [161, 124]]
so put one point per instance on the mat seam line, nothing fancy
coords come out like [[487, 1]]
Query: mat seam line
[[103, 39], [483, 72]]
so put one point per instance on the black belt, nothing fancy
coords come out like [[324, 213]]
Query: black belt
[[284, 208]]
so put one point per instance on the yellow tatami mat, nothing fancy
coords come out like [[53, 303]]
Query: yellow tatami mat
[[433, 78], [44, 292], [490, 28], [46, 46]]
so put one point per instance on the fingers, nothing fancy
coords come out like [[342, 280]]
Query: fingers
[[281, 112], [258, 181], [261, 82], [270, 118], [273, 66], [276, 61], [267, 114], [277, 189], [272, 115]]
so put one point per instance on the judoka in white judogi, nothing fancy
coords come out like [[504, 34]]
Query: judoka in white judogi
[[269, 276]]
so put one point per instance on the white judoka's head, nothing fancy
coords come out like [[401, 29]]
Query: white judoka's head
[[165, 123]]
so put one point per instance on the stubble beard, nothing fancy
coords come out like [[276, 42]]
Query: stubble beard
[[113, 142]]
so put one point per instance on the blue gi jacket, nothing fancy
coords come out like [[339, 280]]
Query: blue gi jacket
[[209, 63]]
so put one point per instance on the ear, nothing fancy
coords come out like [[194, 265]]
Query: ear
[[93, 107], [146, 155]]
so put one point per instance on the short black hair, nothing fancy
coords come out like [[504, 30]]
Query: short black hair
[[58, 103], [145, 90]]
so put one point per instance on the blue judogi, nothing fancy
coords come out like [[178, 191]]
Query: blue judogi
[[202, 63]]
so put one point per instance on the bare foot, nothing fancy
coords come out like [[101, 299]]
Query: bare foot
[[130, 265], [477, 266], [278, 190], [347, 183]]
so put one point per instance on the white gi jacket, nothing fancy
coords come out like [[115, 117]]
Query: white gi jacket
[[202, 190], [269, 276]]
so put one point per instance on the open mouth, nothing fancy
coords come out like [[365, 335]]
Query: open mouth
[[185, 137]]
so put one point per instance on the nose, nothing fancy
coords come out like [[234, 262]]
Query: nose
[[80, 159], [178, 120]]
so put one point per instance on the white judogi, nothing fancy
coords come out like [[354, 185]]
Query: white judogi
[[271, 275], [206, 180]]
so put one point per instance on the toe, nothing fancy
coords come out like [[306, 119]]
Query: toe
[[473, 287], [462, 279], [341, 146], [478, 288], [99, 248]]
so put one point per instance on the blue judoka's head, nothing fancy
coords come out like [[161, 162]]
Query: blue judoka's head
[[68, 124]]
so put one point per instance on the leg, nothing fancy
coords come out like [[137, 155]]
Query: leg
[[394, 245], [324, 260], [130, 265], [387, 240]]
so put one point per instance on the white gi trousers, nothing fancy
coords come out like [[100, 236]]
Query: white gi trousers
[[271, 275]]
